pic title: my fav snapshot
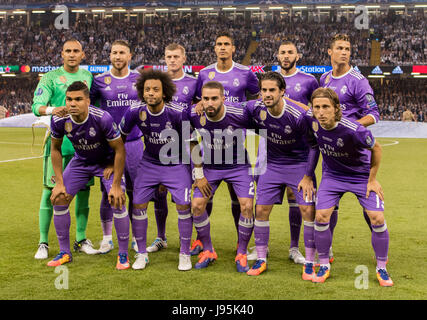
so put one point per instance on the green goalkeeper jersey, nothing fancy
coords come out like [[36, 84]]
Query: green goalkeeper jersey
[[51, 92]]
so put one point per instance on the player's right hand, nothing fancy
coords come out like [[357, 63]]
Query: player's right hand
[[57, 191], [199, 108], [204, 187], [108, 171], [60, 111]]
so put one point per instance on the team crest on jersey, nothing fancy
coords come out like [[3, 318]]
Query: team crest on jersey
[[185, 90], [134, 86], [202, 121], [92, 132], [368, 141], [343, 89], [230, 130], [68, 127], [211, 75], [315, 126], [263, 115], [340, 143], [236, 82], [288, 129], [168, 125], [143, 115], [297, 87], [39, 92], [107, 80], [63, 79]]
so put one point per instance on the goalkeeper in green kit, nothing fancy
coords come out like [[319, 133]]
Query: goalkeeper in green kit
[[49, 99]]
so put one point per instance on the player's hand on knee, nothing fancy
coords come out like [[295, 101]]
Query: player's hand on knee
[[116, 197], [375, 186], [307, 187], [204, 187], [108, 171], [59, 192]]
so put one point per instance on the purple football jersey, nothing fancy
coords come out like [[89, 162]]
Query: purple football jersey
[[185, 90], [286, 133], [355, 94], [300, 86], [90, 137], [116, 95], [345, 149], [236, 81], [223, 141], [156, 131]]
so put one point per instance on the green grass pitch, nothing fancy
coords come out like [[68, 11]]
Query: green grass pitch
[[402, 175]]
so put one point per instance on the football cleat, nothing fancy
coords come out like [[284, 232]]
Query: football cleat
[[85, 246], [196, 247], [331, 255], [296, 256], [42, 251], [184, 262], [308, 272], [384, 278], [62, 258], [141, 261], [259, 267], [205, 259], [122, 261], [106, 246], [242, 263], [321, 275], [157, 245]]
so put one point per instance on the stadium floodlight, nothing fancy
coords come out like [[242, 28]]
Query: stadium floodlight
[[139, 10], [275, 8], [119, 10], [299, 7], [415, 73], [161, 9], [3, 12], [78, 10], [252, 8], [323, 7], [206, 9], [229, 8], [98, 10], [8, 75], [19, 12], [348, 7], [386, 73], [420, 75], [58, 11], [420, 6], [38, 11], [376, 76], [183, 9]]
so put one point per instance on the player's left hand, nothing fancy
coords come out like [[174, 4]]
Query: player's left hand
[[116, 197], [375, 187], [108, 171], [307, 186]]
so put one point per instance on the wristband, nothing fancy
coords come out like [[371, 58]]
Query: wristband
[[198, 173], [49, 110]]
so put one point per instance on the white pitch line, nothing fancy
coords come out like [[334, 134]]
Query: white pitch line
[[390, 144], [25, 143], [20, 159]]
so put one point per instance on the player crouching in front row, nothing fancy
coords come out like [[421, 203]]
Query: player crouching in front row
[[351, 158], [98, 144]]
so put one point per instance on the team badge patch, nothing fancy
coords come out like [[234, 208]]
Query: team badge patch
[[340, 143], [211, 75], [263, 115], [39, 92], [68, 127], [236, 82], [288, 129], [63, 79], [369, 141], [315, 126], [185, 90], [143, 115], [92, 132], [107, 80], [168, 125], [202, 121], [297, 87], [343, 89]]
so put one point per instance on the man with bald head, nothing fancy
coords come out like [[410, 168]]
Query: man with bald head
[[49, 99]]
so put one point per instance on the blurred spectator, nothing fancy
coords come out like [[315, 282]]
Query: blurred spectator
[[408, 115]]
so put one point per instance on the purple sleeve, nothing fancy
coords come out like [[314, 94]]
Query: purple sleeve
[[94, 92], [199, 86], [109, 127], [253, 86], [128, 121], [365, 99], [363, 138], [56, 128], [314, 86]]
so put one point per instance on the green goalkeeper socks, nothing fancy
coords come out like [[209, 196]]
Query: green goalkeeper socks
[[45, 215], [82, 213]]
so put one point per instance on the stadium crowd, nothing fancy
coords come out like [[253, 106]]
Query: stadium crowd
[[16, 95], [403, 39]]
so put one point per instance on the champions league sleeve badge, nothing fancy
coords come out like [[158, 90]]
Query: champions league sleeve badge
[[202, 121], [263, 115], [68, 127], [315, 126], [143, 115]]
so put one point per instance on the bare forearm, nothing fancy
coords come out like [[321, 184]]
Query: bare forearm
[[375, 161], [367, 121], [56, 158]]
